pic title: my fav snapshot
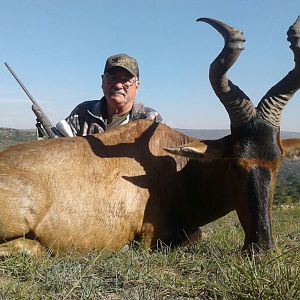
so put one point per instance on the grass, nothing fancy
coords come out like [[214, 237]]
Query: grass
[[213, 269]]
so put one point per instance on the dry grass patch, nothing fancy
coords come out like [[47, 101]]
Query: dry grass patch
[[213, 269]]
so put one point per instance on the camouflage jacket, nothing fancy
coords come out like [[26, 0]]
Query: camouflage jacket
[[91, 116]]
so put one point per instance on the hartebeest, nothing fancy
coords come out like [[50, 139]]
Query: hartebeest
[[105, 190]]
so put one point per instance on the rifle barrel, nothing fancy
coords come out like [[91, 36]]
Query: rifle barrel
[[26, 91]]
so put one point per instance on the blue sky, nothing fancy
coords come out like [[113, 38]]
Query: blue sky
[[58, 49]]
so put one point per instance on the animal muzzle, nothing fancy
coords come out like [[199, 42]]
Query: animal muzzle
[[259, 202]]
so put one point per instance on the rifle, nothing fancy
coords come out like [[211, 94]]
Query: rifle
[[43, 124]]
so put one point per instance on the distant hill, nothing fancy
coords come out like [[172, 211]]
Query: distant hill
[[211, 134], [10, 136]]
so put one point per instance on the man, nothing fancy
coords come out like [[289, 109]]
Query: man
[[120, 83]]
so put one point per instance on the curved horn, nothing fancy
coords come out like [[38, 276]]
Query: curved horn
[[272, 104], [236, 102]]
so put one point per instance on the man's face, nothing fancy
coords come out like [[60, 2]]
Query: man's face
[[119, 88]]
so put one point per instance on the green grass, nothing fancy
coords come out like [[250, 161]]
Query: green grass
[[213, 269]]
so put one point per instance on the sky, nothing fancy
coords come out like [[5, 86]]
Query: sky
[[58, 49]]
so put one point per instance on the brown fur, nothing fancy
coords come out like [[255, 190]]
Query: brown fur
[[105, 190], [81, 192]]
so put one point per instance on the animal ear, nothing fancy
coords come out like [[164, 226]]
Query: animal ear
[[291, 149], [203, 150]]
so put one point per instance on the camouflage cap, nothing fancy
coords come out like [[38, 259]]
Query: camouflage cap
[[124, 61]]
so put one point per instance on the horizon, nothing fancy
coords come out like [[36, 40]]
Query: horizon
[[297, 133], [58, 50]]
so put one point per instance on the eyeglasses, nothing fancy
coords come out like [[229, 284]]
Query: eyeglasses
[[125, 81]]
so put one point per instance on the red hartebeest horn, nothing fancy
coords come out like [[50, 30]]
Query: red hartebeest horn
[[239, 108], [272, 104]]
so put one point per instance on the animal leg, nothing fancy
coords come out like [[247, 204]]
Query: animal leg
[[22, 245], [23, 203]]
